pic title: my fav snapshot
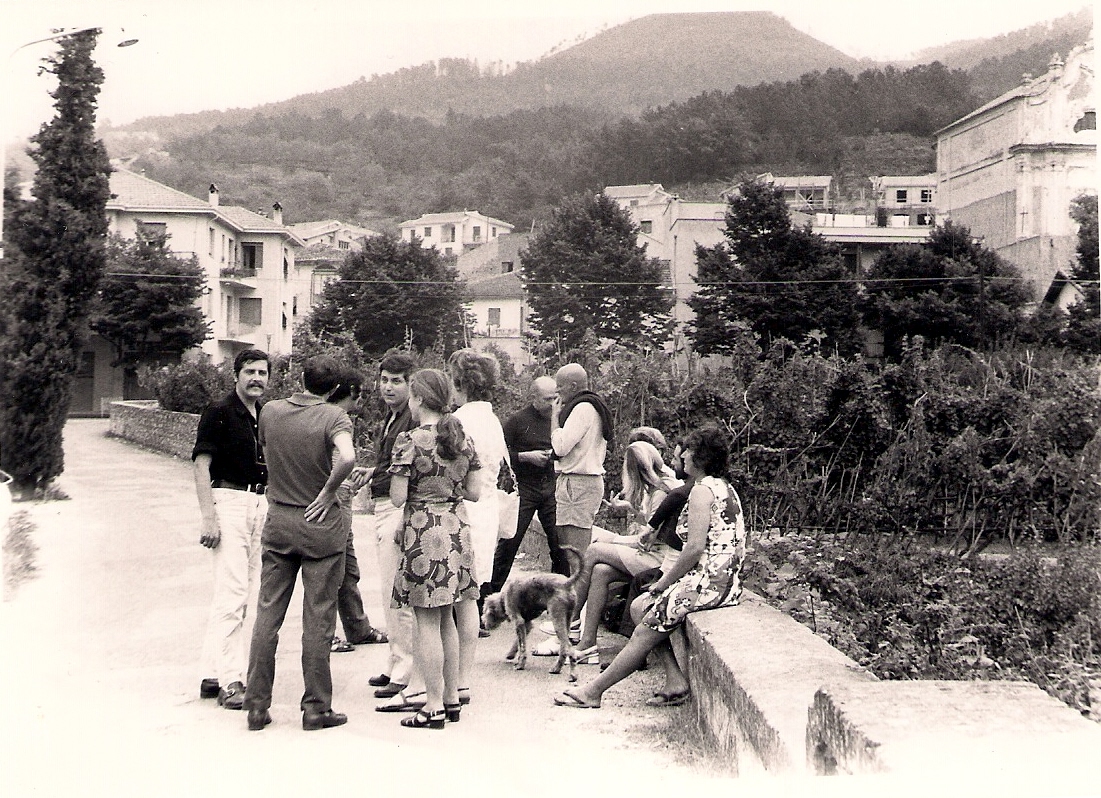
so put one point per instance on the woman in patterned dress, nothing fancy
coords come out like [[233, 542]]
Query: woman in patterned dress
[[433, 469], [705, 575]]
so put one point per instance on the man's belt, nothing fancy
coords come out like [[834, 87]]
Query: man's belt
[[224, 483]]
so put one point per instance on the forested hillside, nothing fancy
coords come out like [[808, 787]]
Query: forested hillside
[[452, 135], [641, 64], [386, 167]]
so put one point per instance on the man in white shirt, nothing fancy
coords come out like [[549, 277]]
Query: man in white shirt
[[581, 427]]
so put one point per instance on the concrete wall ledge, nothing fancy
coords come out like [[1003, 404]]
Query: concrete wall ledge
[[144, 423], [755, 672], [779, 700]]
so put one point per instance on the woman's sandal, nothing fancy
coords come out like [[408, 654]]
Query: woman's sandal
[[452, 711], [464, 695], [425, 720]]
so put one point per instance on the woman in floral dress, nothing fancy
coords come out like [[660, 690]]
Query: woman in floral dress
[[433, 469], [705, 576]]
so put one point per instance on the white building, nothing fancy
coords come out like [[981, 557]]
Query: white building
[[453, 233], [332, 233]]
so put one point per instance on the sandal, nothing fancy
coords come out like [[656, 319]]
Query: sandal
[[568, 699], [452, 711], [373, 636], [409, 703], [340, 646], [669, 699], [588, 656], [464, 695], [425, 720]]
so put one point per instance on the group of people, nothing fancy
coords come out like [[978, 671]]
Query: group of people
[[275, 483]]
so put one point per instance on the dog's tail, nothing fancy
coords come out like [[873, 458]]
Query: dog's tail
[[575, 566]]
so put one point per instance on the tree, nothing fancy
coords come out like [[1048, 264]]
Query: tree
[[779, 280], [948, 290], [56, 250], [585, 271], [1083, 330], [146, 302], [393, 292]]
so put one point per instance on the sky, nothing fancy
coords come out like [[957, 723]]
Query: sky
[[215, 54]]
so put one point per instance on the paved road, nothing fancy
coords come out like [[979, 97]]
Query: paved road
[[101, 683]]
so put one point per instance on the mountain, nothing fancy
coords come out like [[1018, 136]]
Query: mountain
[[644, 63], [995, 65]]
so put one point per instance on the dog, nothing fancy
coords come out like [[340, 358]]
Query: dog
[[525, 597]]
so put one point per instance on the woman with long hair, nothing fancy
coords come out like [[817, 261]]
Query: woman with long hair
[[434, 470]]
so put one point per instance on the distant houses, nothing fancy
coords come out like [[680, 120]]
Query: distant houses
[[454, 233]]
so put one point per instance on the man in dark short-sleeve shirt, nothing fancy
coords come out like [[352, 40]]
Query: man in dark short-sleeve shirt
[[230, 479], [308, 444]]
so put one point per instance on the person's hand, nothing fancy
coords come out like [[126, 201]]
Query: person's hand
[[360, 476], [657, 589], [619, 507], [646, 540], [319, 507], [537, 457], [211, 534]]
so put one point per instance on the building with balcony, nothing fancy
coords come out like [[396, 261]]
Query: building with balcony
[[454, 233], [254, 290], [500, 312], [1010, 169], [332, 233]]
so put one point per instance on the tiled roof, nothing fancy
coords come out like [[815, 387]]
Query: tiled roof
[[131, 190], [907, 180], [503, 286], [636, 190], [250, 221], [310, 229], [802, 181]]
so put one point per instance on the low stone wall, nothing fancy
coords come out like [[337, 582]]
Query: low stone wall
[[144, 423], [778, 699]]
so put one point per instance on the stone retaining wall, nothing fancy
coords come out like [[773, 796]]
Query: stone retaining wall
[[144, 423], [777, 698]]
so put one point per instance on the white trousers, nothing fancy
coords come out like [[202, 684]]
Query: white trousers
[[236, 562], [400, 622]]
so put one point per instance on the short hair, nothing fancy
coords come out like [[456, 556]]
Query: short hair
[[710, 446], [248, 356], [475, 373], [321, 373], [351, 384], [398, 361]]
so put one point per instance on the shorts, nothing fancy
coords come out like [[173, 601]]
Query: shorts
[[578, 498]]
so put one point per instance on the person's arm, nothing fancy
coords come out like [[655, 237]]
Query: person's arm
[[472, 486], [211, 533], [343, 461], [564, 438], [399, 489], [699, 520]]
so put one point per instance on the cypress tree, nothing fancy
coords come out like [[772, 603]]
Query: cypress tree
[[55, 262]]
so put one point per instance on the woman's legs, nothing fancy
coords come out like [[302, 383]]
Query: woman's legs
[[625, 560], [626, 662], [602, 576], [466, 625], [430, 654]]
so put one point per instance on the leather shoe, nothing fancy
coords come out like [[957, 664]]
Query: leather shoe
[[232, 697], [312, 721], [258, 719], [389, 691], [208, 688], [379, 681]]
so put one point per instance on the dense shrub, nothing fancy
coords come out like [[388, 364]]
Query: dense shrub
[[188, 387]]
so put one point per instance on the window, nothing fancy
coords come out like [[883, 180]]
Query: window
[[210, 246], [428, 232], [252, 257], [223, 248], [900, 196], [447, 250], [494, 317], [925, 219], [634, 203], [249, 310], [153, 229], [447, 233], [506, 266], [294, 305], [476, 233], [926, 195], [344, 244], [647, 226], [286, 266], [493, 232]]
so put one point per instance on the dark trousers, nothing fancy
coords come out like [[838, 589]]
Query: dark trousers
[[321, 580], [537, 498], [349, 602]]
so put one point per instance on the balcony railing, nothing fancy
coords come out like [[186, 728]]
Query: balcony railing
[[237, 271]]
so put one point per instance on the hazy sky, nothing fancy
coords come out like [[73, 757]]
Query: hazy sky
[[196, 55]]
